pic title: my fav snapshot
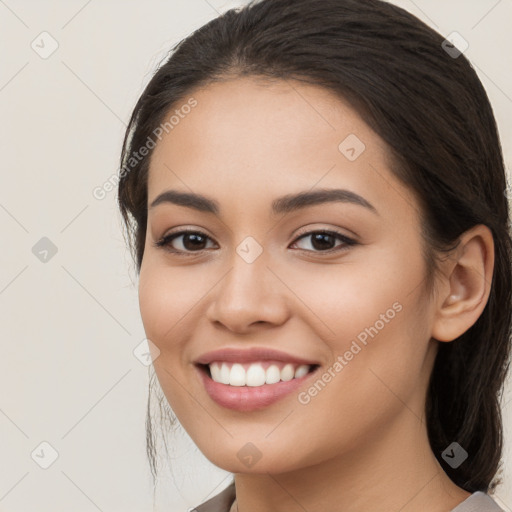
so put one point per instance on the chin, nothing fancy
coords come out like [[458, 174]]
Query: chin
[[249, 459]]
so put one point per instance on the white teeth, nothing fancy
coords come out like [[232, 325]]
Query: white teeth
[[301, 370], [273, 374], [224, 374], [215, 371], [237, 375], [287, 372], [255, 375]]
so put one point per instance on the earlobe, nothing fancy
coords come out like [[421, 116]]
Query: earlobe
[[468, 276]]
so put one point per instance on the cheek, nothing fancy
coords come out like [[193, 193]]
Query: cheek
[[373, 315], [346, 298], [166, 300], [378, 322], [166, 297]]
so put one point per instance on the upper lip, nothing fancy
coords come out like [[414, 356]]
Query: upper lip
[[240, 355]]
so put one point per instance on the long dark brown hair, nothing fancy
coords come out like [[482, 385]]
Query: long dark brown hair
[[433, 112]]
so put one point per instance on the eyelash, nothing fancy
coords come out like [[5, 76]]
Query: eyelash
[[165, 242]]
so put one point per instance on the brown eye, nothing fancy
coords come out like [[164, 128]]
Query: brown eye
[[324, 241], [188, 241], [192, 241]]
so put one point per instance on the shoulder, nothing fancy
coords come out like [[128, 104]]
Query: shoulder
[[478, 502], [220, 502]]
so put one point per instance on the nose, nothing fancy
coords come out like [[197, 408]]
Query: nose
[[249, 294]]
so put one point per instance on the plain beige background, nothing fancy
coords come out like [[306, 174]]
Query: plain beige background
[[71, 71]]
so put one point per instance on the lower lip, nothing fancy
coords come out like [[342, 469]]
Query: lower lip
[[248, 398]]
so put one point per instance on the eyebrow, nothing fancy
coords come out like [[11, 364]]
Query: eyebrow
[[284, 204]]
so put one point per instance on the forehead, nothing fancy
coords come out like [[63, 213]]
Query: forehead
[[267, 139], [258, 115]]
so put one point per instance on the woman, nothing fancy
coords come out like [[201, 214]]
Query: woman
[[315, 197]]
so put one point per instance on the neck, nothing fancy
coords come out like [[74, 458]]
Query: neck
[[392, 469]]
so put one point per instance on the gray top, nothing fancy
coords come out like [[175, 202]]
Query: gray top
[[477, 502]]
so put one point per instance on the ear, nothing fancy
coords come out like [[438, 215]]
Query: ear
[[466, 284]]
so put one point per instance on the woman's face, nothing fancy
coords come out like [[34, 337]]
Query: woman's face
[[351, 302]]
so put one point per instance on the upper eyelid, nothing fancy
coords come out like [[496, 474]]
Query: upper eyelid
[[307, 230], [310, 231], [349, 240]]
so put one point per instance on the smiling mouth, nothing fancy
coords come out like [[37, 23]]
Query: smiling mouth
[[255, 374]]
